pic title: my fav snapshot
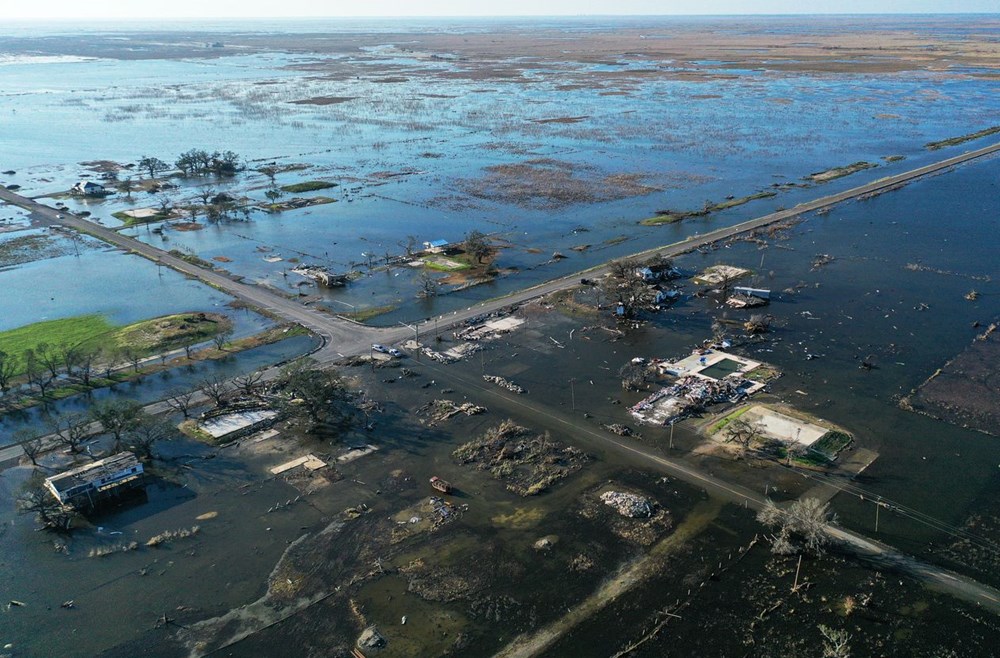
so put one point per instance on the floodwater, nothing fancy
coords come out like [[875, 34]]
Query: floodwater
[[411, 145], [694, 140]]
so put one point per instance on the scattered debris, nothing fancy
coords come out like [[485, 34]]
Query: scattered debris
[[528, 463], [503, 383], [628, 504], [442, 410], [370, 638], [310, 462]]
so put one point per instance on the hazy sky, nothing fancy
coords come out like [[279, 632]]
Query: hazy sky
[[123, 9]]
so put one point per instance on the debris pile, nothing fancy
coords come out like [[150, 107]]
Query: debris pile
[[441, 410], [620, 430], [528, 463], [628, 504], [503, 383], [370, 638]]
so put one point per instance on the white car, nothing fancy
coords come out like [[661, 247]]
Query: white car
[[394, 352], [380, 348]]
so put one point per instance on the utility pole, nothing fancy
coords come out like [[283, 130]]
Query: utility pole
[[672, 434], [878, 504], [416, 335], [572, 391]]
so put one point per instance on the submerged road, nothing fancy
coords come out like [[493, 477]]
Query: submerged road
[[545, 416], [343, 337]]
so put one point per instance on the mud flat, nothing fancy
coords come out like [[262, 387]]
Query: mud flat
[[966, 391]]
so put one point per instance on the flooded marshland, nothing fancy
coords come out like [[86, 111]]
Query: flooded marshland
[[429, 134]]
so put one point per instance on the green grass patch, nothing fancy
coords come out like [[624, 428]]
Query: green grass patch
[[954, 141], [191, 258], [89, 329], [763, 373], [894, 158], [366, 314], [440, 266], [94, 332], [840, 172], [308, 186], [672, 216], [721, 425], [129, 220], [831, 443]]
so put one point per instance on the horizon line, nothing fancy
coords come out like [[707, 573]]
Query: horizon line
[[100, 19]]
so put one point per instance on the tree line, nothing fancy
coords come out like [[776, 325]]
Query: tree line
[[42, 366], [196, 162]]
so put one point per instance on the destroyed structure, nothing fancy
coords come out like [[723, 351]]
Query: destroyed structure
[[704, 378], [87, 486], [322, 276]]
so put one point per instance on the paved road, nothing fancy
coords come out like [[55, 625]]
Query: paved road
[[343, 337]]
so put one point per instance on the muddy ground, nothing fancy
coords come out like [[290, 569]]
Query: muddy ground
[[966, 391]]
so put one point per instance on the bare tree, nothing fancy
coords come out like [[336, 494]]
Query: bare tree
[[50, 358], [478, 245], [807, 518], [112, 357], [125, 185], [836, 643], [180, 401], [35, 372], [117, 417], [71, 430], [249, 383], [409, 245], [625, 287], [8, 368], [85, 364], [70, 357], [133, 356], [216, 389], [152, 165], [145, 433], [726, 281], [206, 194], [429, 286], [743, 434], [49, 513], [31, 445], [222, 337]]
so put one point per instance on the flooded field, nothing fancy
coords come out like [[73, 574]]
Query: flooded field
[[560, 517]]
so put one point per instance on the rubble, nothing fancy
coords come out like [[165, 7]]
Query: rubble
[[370, 638], [628, 504], [503, 383], [441, 410], [528, 463]]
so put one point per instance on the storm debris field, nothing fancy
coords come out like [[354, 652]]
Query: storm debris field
[[528, 463], [966, 391]]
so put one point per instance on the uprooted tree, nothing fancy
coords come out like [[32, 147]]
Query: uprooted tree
[[315, 397], [807, 520], [51, 514], [626, 288]]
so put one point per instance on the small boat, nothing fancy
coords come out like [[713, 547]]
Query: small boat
[[441, 485]]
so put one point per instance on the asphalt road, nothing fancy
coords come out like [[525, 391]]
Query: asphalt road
[[343, 337]]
